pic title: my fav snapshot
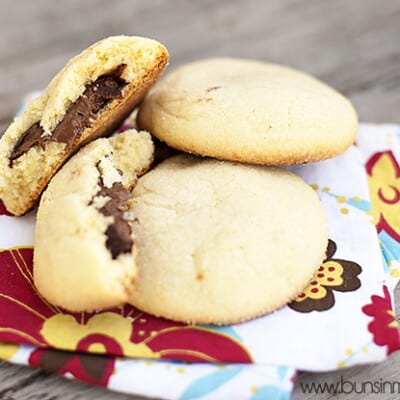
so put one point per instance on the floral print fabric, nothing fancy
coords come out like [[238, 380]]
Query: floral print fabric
[[208, 361]]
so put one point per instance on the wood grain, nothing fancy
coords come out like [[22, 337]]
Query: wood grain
[[22, 383], [351, 45]]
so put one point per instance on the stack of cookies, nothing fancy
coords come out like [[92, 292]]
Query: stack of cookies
[[220, 235]]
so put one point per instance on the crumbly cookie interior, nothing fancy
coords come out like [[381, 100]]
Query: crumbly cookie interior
[[140, 63], [84, 228]]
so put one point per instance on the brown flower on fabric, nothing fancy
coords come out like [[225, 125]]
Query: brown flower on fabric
[[333, 274], [91, 368]]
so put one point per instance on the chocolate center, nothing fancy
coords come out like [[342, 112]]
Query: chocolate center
[[79, 116], [118, 234]]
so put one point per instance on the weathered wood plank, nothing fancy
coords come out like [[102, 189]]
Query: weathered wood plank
[[355, 50], [17, 382]]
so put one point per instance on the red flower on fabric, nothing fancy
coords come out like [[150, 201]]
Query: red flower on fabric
[[90, 368], [384, 325], [26, 317], [3, 210]]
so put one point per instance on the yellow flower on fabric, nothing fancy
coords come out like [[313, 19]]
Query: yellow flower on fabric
[[63, 331], [328, 274], [7, 350], [332, 275]]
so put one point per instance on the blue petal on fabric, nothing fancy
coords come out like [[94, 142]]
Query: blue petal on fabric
[[390, 247], [282, 371], [208, 383], [360, 204], [385, 259], [270, 393], [227, 330]]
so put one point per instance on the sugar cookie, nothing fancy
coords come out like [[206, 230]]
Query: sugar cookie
[[222, 242], [249, 111]]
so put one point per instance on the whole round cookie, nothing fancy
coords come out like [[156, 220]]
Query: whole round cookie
[[222, 242], [249, 111]]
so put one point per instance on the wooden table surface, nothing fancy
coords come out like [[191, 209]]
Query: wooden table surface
[[352, 45]]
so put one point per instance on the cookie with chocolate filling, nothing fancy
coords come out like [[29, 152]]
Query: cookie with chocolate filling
[[87, 99], [85, 254]]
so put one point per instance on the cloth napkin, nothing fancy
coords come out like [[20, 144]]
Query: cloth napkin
[[126, 350]]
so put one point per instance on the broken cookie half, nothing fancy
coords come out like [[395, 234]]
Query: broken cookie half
[[85, 256], [87, 99]]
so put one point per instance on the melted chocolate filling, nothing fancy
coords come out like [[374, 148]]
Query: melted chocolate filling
[[79, 116], [118, 234]]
